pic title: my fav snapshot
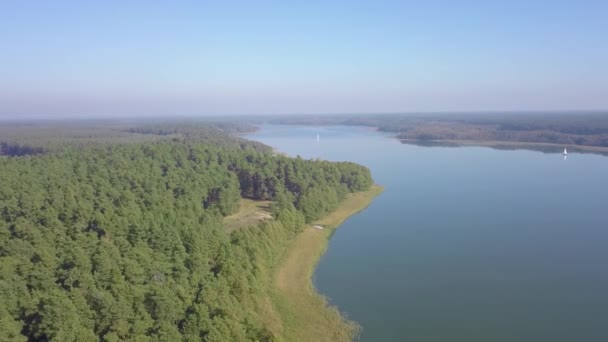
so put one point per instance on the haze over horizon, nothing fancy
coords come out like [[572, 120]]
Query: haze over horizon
[[67, 59]]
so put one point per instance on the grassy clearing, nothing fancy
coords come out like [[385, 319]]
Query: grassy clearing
[[306, 315], [250, 213]]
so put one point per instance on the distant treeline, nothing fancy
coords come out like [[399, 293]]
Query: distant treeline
[[585, 129], [21, 138], [193, 128], [118, 242]]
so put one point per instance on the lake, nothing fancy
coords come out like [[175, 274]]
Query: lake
[[466, 243]]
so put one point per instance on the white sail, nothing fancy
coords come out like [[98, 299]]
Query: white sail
[[565, 152], [318, 138]]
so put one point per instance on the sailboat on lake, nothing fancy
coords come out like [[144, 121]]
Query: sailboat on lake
[[318, 138], [565, 152]]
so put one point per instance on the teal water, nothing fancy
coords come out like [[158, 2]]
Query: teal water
[[467, 243]]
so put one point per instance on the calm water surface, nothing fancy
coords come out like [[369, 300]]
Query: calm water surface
[[465, 244]]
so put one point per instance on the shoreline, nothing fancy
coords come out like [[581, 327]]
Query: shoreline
[[515, 145], [306, 314]]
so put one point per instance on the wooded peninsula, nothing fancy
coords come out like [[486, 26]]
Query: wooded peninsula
[[116, 231]]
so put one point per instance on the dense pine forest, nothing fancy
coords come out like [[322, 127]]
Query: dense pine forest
[[124, 240]]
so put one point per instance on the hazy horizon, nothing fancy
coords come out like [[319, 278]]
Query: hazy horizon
[[229, 116], [113, 60]]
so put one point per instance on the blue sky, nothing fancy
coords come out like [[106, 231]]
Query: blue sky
[[130, 58]]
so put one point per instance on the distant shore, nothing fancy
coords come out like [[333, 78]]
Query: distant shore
[[585, 132], [306, 314], [535, 146]]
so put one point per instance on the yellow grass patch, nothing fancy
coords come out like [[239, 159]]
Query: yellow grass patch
[[306, 315], [250, 213]]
